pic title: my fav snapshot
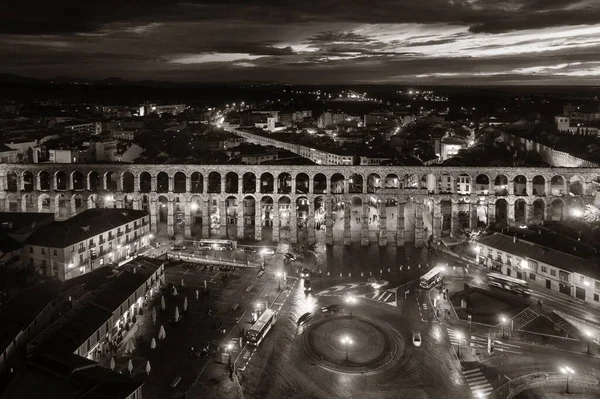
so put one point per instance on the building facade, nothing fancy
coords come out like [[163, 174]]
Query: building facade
[[541, 266]]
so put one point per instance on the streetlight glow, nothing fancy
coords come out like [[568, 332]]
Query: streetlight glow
[[350, 300], [577, 212], [346, 341]]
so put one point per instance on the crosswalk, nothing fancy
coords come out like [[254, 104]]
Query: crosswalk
[[500, 346], [479, 385], [455, 336], [387, 296]]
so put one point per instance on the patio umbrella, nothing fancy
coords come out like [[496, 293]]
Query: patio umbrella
[[197, 294], [129, 366], [161, 333], [174, 291], [112, 363], [176, 313], [153, 343], [148, 368], [185, 304], [162, 302], [129, 347], [154, 315], [182, 282]]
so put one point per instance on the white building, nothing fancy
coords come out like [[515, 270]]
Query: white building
[[541, 266], [127, 135], [91, 239]]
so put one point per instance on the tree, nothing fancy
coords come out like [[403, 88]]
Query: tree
[[591, 214]]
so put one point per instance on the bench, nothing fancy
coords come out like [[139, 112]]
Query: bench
[[175, 382], [235, 306], [249, 288]]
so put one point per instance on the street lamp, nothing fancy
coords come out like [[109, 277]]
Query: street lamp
[[567, 371], [503, 321], [459, 337], [577, 212], [279, 277], [588, 334], [346, 341], [350, 300]]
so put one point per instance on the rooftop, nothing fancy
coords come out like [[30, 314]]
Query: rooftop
[[80, 227], [68, 376], [23, 222], [526, 249]]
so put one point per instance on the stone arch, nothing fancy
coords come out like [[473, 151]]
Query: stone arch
[[128, 201], [214, 183], [482, 184], [267, 183], [77, 180], [520, 185], [231, 183], [391, 181], [111, 181], [463, 184], [92, 201], [44, 203], [250, 215], [301, 216], [520, 212], [539, 210], [320, 212], [162, 213], [557, 209], [284, 205], [502, 212], [302, 183], [501, 185], [94, 181], [373, 182], [28, 181], [62, 184], [12, 182], [78, 204], [197, 183], [538, 185], [557, 185], [179, 182], [145, 182], [248, 183], [231, 215], [355, 183], [577, 185], [267, 208], [162, 182], [128, 182], [284, 183], [320, 184], [427, 182]]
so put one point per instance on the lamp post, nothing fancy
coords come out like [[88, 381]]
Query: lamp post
[[588, 334], [279, 277], [503, 321], [350, 300], [567, 371], [346, 341], [459, 337]]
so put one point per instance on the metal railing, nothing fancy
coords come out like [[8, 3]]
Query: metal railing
[[520, 384]]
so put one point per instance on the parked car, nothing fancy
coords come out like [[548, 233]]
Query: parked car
[[267, 251], [307, 287], [177, 247], [304, 318], [288, 257], [331, 308]]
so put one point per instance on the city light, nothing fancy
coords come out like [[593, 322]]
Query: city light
[[108, 197], [194, 206], [568, 371], [350, 300], [577, 212], [346, 341]]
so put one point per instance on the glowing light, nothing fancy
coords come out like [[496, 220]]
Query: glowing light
[[577, 212], [194, 206]]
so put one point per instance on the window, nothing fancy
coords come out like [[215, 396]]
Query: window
[[80, 258], [110, 258], [110, 246], [597, 285], [43, 251], [31, 251], [91, 242], [55, 252], [81, 245], [532, 276], [596, 297], [553, 272], [544, 269], [72, 248]]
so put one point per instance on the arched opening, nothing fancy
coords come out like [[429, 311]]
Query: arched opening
[[319, 221], [231, 183], [520, 213], [249, 183], [373, 183], [302, 183], [179, 182], [356, 219], [266, 183], [539, 185], [482, 184], [27, 203], [284, 183], [128, 202], [162, 182], [77, 204], [95, 181], [92, 201], [145, 182], [63, 204], [196, 215], [463, 184], [266, 205], [427, 182], [412, 181], [539, 211], [111, 181], [337, 182], [44, 204], [163, 214], [557, 185], [520, 185], [12, 182], [197, 182], [214, 183], [355, 184], [445, 184], [284, 209], [501, 185], [320, 184], [78, 181], [61, 181], [28, 181], [446, 210], [576, 185], [392, 181], [502, 212], [557, 210], [250, 215], [302, 217], [231, 215], [128, 182]]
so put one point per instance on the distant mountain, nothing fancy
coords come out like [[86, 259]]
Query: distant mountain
[[8, 78]]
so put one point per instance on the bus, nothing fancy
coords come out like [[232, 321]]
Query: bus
[[261, 327], [432, 277], [511, 284], [217, 245]]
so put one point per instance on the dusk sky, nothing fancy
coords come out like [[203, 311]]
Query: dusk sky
[[325, 41]]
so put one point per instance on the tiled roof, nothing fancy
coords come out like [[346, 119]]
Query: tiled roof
[[549, 256], [87, 224]]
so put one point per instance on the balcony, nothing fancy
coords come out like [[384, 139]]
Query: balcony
[[119, 233], [111, 237], [92, 245], [128, 230], [144, 223], [81, 250], [101, 241]]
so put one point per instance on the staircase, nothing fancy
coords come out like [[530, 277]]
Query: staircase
[[523, 318]]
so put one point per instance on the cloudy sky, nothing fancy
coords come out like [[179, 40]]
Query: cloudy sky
[[312, 41]]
